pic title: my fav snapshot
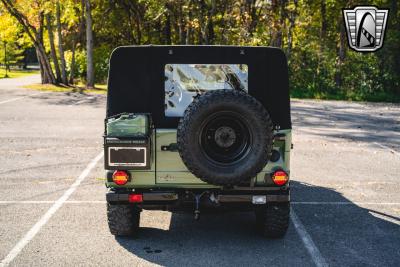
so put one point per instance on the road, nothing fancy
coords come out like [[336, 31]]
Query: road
[[345, 192]]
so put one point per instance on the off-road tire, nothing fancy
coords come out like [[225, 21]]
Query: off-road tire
[[239, 106], [273, 219], [123, 220]]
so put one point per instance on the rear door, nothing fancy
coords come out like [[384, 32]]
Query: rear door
[[169, 166], [182, 83]]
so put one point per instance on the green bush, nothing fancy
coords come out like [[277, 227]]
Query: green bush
[[101, 57], [312, 75]]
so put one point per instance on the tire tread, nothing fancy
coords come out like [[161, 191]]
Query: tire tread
[[123, 220], [273, 220]]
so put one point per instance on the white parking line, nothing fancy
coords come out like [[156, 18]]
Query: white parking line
[[18, 98], [386, 147], [27, 202], [51, 202], [307, 241], [50, 212], [312, 249]]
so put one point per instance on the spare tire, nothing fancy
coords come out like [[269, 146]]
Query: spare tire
[[225, 137]]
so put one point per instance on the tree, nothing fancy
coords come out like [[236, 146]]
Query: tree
[[13, 43], [89, 46], [312, 34], [60, 45], [53, 52], [35, 33], [72, 27]]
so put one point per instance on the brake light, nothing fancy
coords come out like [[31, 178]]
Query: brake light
[[135, 198], [280, 177], [120, 177]]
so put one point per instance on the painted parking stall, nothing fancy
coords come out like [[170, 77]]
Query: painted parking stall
[[345, 193]]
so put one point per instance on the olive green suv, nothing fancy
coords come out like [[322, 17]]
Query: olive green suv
[[198, 128]]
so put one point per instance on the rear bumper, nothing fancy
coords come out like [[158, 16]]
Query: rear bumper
[[165, 200], [113, 196]]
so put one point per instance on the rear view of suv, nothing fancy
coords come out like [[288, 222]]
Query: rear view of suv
[[193, 128]]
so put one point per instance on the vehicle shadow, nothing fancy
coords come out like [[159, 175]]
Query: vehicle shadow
[[346, 234], [73, 98]]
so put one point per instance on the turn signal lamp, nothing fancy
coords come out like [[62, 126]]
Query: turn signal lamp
[[280, 177], [120, 177]]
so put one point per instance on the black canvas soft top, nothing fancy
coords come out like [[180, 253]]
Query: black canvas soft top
[[136, 78]]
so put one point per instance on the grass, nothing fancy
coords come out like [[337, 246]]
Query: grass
[[99, 88], [17, 73]]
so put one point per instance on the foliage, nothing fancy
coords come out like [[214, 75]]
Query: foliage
[[317, 71], [311, 33], [101, 57], [12, 35]]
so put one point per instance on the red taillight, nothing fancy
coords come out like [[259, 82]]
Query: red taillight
[[135, 198], [120, 177], [280, 177]]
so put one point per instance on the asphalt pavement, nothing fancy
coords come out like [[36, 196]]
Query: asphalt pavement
[[345, 171]]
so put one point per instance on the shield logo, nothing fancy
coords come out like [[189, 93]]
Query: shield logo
[[365, 26]]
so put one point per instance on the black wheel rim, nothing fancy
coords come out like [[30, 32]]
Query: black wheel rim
[[225, 138]]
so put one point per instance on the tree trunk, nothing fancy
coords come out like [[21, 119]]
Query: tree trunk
[[189, 30], [36, 36], [47, 73], [323, 20], [210, 24], [40, 64], [292, 20], [254, 12], [72, 70], [203, 26], [224, 21], [53, 53], [341, 54], [159, 28], [182, 23], [322, 33], [41, 27], [395, 25], [279, 8], [60, 47], [5, 59], [167, 29], [89, 47]]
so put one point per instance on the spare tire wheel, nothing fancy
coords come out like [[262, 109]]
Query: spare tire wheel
[[225, 137]]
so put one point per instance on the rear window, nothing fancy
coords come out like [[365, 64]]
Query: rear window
[[184, 81]]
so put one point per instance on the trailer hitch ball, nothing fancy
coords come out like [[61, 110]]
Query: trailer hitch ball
[[197, 207], [196, 215]]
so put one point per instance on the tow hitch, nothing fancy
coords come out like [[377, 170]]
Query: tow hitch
[[197, 199]]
